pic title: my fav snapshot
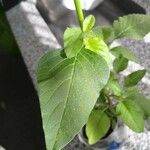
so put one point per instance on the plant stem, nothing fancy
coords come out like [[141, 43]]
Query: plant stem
[[79, 12], [115, 96], [109, 100]]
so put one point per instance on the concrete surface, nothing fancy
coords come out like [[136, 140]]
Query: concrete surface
[[1, 148], [33, 36]]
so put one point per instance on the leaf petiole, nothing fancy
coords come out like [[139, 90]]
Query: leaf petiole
[[79, 12]]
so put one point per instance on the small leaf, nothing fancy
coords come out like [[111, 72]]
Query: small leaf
[[134, 26], [97, 126], [125, 52], [107, 32], [68, 91], [97, 45], [93, 40], [133, 78], [115, 87], [88, 23], [131, 115], [102, 32], [73, 41], [143, 102], [120, 64]]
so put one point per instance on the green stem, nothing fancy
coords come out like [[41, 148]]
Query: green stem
[[110, 101], [79, 12], [115, 97]]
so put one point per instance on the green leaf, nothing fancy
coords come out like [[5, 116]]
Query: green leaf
[[115, 87], [95, 32], [133, 78], [120, 64], [98, 32], [68, 91], [93, 41], [103, 32], [107, 32], [125, 52], [73, 41], [88, 23], [143, 102], [97, 126], [131, 115], [134, 26], [95, 44]]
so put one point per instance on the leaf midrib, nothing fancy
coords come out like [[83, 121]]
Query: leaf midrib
[[71, 81], [132, 27], [131, 118]]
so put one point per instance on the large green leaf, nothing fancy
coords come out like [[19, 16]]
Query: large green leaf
[[133, 78], [125, 52], [97, 126], [68, 91], [134, 26], [131, 115], [73, 41]]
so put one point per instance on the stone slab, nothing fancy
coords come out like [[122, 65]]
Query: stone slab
[[1, 148], [33, 36]]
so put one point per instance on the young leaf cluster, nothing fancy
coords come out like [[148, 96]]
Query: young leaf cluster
[[79, 83]]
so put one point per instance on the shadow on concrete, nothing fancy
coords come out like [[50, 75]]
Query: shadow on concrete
[[20, 118]]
